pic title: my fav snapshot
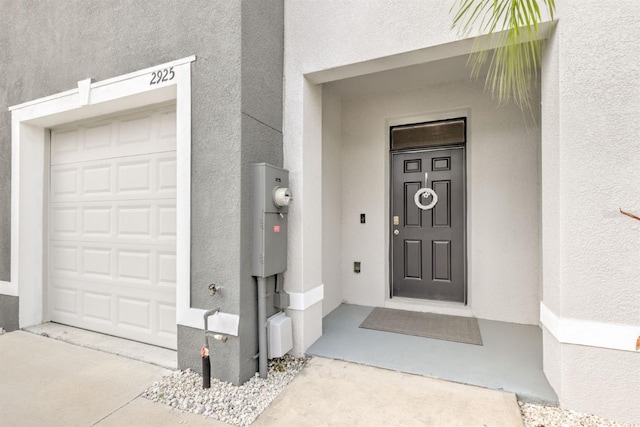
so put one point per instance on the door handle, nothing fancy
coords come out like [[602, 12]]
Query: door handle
[[396, 232]]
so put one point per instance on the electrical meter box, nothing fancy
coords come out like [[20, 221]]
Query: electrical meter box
[[271, 198]]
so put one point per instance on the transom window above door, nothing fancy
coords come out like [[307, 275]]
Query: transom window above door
[[432, 134]]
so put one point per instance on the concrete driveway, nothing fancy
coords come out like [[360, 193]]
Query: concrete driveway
[[45, 382]]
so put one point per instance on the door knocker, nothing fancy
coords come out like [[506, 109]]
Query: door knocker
[[425, 192]]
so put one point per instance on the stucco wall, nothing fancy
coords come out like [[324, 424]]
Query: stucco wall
[[236, 99], [315, 35], [9, 313], [331, 200], [590, 128], [589, 169], [317, 31], [73, 40], [262, 57], [502, 197], [599, 161], [594, 380]]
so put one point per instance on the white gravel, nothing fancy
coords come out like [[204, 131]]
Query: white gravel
[[549, 416], [237, 405]]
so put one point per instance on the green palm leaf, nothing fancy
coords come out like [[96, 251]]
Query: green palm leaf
[[512, 26]]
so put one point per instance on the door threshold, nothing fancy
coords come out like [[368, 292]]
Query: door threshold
[[142, 352], [428, 306]]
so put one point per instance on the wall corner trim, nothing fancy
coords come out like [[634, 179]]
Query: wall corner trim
[[303, 300], [612, 336]]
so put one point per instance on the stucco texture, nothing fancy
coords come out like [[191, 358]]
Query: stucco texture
[[502, 198], [594, 380], [48, 46], [589, 170], [74, 40], [599, 162]]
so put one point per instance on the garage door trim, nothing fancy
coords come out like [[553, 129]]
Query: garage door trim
[[28, 186]]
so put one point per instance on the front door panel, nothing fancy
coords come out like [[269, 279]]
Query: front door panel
[[428, 245]]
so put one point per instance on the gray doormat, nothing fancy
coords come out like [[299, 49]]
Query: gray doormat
[[427, 325]]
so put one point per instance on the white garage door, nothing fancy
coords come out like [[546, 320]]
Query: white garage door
[[112, 226]]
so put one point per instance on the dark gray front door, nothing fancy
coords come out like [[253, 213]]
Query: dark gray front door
[[428, 245]]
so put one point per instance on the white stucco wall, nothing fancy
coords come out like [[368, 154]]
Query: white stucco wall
[[590, 163], [331, 200], [315, 35], [590, 100], [384, 35], [329, 33], [502, 197], [599, 86]]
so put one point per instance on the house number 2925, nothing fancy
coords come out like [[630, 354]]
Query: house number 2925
[[163, 75]]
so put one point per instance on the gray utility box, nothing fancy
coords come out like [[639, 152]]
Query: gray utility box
[[271, 197]]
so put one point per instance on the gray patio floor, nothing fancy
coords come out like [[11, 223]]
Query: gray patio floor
[[510, 359]]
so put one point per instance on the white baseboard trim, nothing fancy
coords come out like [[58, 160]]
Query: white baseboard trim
[[222, 323], [304, 300], [7, 288], [590, 333]]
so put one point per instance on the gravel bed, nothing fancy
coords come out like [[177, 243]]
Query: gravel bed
[[549, 416], [237, 405]]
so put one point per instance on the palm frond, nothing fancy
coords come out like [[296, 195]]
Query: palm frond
[[512, 26]]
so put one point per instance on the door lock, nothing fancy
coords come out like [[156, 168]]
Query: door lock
[[396, 232]]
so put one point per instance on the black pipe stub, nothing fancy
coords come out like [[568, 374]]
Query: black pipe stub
[[206, 368]]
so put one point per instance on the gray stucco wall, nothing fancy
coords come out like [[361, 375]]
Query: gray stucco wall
[[262, 63], [8, 312], [48, 46]]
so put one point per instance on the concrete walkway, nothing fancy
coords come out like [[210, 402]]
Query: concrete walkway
[[49, 382]]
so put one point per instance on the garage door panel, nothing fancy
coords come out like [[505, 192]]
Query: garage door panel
[[166, 223], [64, 260], [65, 143], [97, 306], [167, 128], [113, 226], [166, 175], [141, 291], [134, 221], [146, 267], [135, 134], [135, 130], [96, 180], [134, 313], [150, 221], [97, 138], [167, 320], [96, 222], [134, 266], [97, 263], [140, 178], [64, 221], [167, 269], [65, 300], [134, 177], [64, 182]]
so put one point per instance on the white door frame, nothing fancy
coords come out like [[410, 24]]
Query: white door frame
[[29, 182]]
